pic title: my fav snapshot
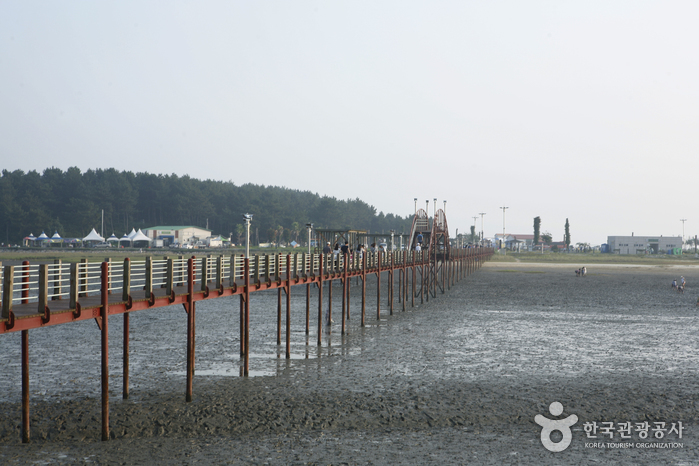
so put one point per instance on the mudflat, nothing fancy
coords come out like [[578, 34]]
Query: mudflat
[[456, 380]]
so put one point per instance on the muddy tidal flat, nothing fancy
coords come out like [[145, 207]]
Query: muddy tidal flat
[[456, 380]]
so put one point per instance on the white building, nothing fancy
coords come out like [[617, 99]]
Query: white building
[[644, 244], [177, 234]]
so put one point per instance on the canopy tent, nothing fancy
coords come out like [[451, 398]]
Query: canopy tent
[[132, 234], [29, 238], [56, 239], [93, 236], [125, 240], [113, 238], [140, 237], [42, 239]]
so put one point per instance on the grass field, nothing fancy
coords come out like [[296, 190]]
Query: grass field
[[595, 258], [74, 255]]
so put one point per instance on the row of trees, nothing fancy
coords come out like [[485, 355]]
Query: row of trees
[[71, 202]]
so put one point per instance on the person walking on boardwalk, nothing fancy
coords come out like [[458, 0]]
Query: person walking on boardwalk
[[345, 248], [326, 249]]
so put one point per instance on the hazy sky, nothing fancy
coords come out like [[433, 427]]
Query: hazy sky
[[586, 110]]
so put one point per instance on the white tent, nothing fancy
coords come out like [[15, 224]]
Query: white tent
[[113, 238], [42, 236], [124, 239], [132, 234], [93, 236], [140, 237]]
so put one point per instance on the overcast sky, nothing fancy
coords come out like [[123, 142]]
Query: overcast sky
[[586, 110]]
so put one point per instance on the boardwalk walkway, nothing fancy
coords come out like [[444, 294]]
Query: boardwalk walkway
[[35, 296]]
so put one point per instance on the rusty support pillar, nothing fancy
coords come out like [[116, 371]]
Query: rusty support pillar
[[391, 277], [288, 306], [423, 279], [308, 308], [330, 287], [404, 279], [190, 329], [242, 324], [320, 300], [378, 286], [246, 364], [125, 369], [349, 283], [364, 257], [413, 273], [25, 387], [344, 295], [279, 316], [105, 350]]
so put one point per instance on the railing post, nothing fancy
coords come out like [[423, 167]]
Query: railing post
[[277, 267], [219, 272], [149, 276], [126, 284], [73, 292], [43, 287], [256, 281], [169, 277], [204, 272], [8, 283]]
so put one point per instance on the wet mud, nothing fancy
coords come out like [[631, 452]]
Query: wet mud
[[456, 380]]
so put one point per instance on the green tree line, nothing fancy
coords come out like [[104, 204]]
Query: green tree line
[[71, 203]]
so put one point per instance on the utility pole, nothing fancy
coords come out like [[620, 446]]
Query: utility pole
[[683, 220], [482, 214], [248, 219], [504, 208]]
